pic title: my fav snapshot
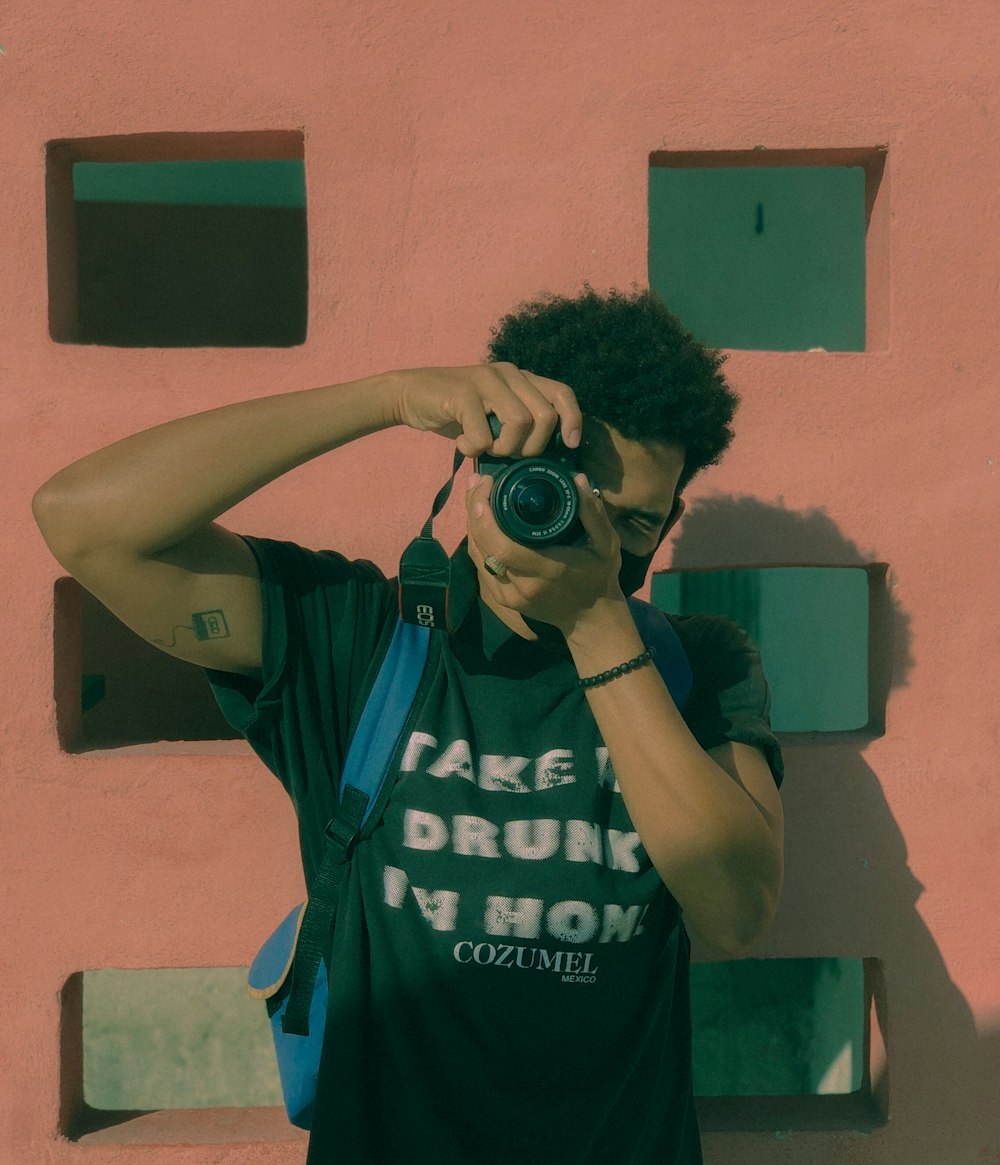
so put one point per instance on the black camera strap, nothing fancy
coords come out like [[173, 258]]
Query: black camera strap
[[425, 569]]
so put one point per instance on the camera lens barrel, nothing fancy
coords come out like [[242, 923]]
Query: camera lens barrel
[[534, 499], [535, 503]]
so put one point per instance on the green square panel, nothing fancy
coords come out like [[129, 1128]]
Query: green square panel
[[187, 1037], [191, 254], [811, 625], [130, 692], [761, 257], [778, 1027]]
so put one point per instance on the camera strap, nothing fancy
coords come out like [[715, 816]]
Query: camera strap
[[425, 569]]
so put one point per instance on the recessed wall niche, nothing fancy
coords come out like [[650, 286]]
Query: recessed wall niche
[[814, 628], [778, 1027], [783, 250], [115, 690], [178, 240], [778, 1044]]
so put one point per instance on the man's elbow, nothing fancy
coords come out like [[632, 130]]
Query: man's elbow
[[737, 935], [733, 913], [50, 514]]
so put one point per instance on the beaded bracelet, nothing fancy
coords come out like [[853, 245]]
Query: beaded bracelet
[[605, 677]]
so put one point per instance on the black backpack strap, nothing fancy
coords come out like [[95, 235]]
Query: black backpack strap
[[317, 920]]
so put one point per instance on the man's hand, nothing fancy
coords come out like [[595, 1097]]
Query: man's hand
[[455, 403], [560, 585]]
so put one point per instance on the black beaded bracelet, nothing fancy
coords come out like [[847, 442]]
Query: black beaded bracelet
[[605, 677]]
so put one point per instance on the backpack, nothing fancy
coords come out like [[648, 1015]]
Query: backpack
[[288, 972]]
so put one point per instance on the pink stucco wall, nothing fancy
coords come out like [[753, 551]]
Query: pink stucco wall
[[462, 156]]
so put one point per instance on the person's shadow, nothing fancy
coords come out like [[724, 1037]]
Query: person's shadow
[[849, 891]]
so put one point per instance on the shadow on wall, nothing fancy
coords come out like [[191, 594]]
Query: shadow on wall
[[849, 891]]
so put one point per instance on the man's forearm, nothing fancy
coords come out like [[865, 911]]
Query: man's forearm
[[152, 490], [714, 843]]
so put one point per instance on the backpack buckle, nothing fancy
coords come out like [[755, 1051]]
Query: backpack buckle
[[344, 826]]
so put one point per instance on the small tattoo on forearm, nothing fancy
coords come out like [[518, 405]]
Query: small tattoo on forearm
[[205, 625]]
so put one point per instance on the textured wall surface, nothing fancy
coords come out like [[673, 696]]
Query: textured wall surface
[[460, 157]]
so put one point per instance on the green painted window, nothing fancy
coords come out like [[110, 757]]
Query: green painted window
[[113, 689], [175, 1038], [230, 183], [191, 254], [778, 1027], [767, 257], [811, 626]]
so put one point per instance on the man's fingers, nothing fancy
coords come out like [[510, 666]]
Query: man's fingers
[[561, 398], [476, 436], [600, 533], [546, 404], [483, 528], [485, 535], [458, 402]]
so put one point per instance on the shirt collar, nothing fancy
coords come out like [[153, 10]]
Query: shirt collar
[[473, 617]]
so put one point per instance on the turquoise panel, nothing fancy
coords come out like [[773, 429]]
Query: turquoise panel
[[246, 183], [778, 1027], [191, 254], [811, 625], [176, 1038], [762, 257]]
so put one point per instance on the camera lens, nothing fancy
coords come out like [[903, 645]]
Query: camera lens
[[536, 502]]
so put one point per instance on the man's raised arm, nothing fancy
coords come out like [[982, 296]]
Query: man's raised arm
[[135, 522]]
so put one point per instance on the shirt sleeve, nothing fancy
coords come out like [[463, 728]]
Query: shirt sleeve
[[729, 700], [324, 619]]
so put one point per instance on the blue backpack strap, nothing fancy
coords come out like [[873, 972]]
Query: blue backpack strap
[[385, 714], [372, 746], [671, 659]]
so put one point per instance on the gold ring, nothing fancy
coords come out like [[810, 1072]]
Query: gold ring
[[496, 568]]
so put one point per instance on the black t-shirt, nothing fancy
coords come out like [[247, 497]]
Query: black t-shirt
[[509, 975]]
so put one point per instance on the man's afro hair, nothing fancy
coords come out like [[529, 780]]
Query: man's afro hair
[[632, 365]]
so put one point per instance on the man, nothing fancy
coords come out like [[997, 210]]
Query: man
[[509, 964]]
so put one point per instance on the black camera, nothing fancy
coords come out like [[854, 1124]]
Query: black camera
[[534, 499]]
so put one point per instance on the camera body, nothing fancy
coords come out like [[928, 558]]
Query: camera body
[[534, 499]]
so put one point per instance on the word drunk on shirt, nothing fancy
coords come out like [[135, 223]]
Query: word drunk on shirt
[[531, 840]]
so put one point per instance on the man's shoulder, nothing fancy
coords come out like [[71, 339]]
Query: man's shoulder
[[323, 606], [709, 634], [295, 564], [720, 652]]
